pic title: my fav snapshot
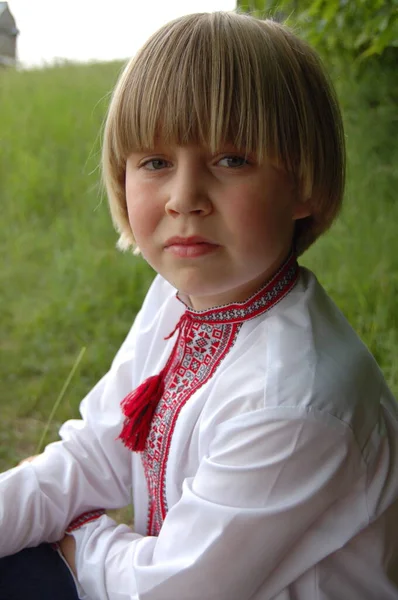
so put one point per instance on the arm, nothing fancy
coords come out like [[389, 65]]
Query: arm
[[255, 515], [87, 469]]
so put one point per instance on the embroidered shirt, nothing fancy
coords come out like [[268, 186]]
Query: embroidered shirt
[[281, 477]]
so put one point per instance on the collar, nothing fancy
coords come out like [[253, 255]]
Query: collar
[[265, 298]]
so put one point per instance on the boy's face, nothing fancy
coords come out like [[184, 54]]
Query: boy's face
[[232, 219]]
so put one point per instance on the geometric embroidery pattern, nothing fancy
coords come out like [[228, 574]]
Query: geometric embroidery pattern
[[84, 518], [199, 350]]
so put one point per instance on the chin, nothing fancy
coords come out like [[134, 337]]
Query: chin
[[192, 282]]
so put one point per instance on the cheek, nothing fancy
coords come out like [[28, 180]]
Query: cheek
[[143, 213], [252, 215], [261, 224]]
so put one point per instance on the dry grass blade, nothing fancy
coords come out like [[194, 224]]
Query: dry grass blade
[[59, 399]]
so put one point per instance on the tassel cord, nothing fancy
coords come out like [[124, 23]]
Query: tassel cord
[[140, 405]]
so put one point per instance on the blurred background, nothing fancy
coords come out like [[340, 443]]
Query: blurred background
[[63, 285]]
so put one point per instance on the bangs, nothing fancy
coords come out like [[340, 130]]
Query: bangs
[[202, 80]]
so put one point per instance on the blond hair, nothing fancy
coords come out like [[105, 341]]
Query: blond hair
[[213, 78]]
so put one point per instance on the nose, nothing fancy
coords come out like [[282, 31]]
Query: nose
[[188, 193]]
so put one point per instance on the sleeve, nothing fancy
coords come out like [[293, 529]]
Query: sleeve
[[255, 515], [89, 469]]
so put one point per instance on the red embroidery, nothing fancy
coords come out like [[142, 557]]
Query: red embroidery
[[199, 350], [83, 519]]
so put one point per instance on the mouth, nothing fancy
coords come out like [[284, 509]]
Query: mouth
[[190, 247], [187, 241]]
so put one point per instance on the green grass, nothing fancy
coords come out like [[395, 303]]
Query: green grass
[[64, 286]]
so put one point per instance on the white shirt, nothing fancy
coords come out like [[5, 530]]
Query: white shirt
[[277, 481]]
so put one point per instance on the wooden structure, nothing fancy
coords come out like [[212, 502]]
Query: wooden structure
[[8, 36]]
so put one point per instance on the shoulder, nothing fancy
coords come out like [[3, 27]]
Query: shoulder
[[160, 302], [159, 293], [303, 358], [321, 363], [157, 317], [312, 345]]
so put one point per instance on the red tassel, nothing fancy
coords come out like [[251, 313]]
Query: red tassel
[[138, 408]]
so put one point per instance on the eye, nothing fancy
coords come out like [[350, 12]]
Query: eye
[[155, 164], [233, 162]]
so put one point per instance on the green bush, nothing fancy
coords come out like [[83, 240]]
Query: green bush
[[347, 29]]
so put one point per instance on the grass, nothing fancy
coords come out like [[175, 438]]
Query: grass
[[64, 286]]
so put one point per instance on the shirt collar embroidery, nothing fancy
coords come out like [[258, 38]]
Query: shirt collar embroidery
[[265, 298]]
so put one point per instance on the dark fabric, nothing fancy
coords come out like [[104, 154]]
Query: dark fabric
[[36, 573]]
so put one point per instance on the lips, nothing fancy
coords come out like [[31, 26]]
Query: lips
[[190, 247], [187, 241]]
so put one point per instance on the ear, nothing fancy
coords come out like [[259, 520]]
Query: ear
[[302, 209]]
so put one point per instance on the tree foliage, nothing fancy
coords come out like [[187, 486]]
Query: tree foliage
[[350, 29]]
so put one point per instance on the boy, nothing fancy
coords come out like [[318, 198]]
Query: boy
[[254, 429]]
